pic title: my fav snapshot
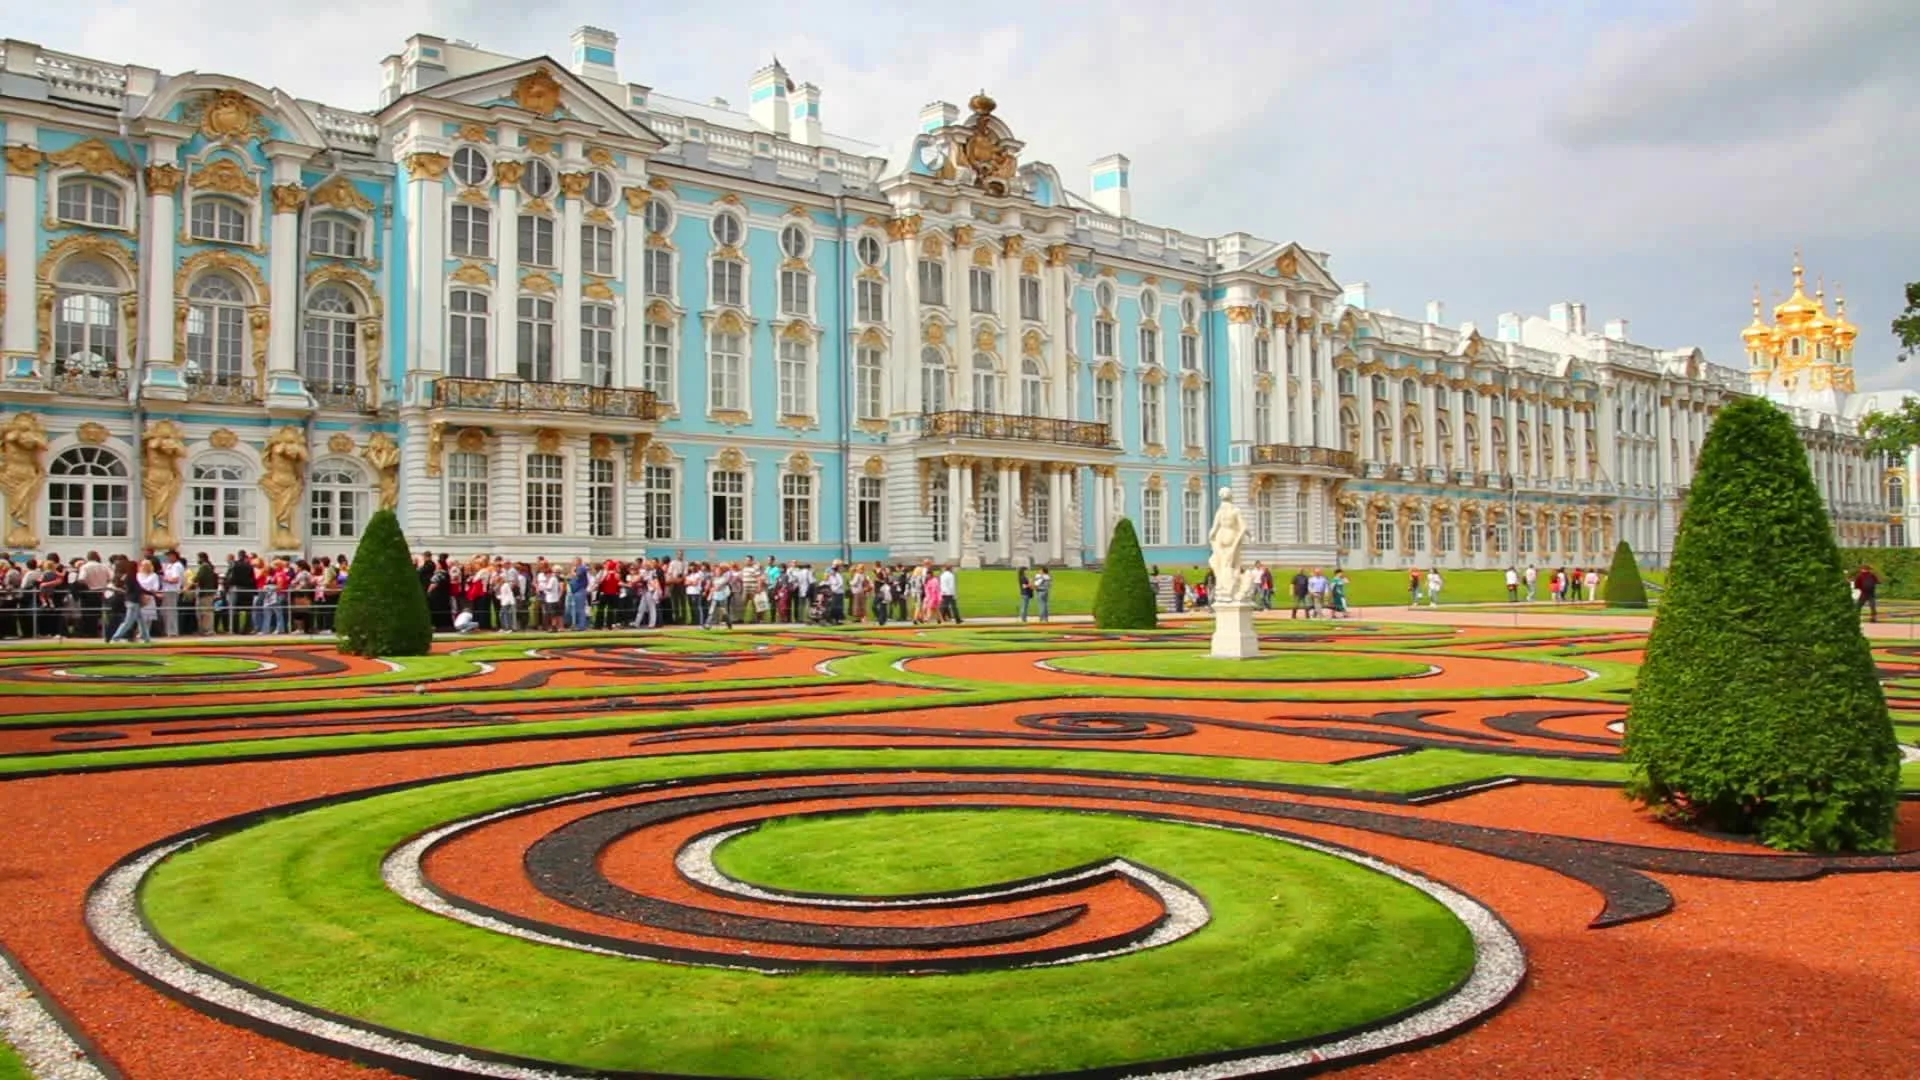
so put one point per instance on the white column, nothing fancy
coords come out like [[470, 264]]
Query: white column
[[903, 294], [566, 321], [1488, 456], [1456, 410], [1607, 440], [1430, 428], [1010, 495], [1287, 370], [284, 387], [157, 299], [501, 359], [1363, 395], [1307, 370], [1394, 403], [17, 338], [1582, 425], [427, 248], [1515, 412], [957, 499], [960, 341], [1540, 432], [634, 300], [1053, 306], [1056, 513], [1328, 433], [1102, 485]]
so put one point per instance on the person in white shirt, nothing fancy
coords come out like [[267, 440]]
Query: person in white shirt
[[1532, 576], [173, 575], [507, 593], [837, 594], [949, 595], [1593, 585], [553, 592], [1433, 587], [1513, 584]]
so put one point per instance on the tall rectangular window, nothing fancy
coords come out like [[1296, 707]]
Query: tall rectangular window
[[796, 378], [1041, 503], [467, 334], [933, 282], [1190, 516], [536, 240], [596, 344], [1263, 416], [656, 368], [1262, 353], [1189, 352], [1351, 537], [466, 494], [729, 506], [657, 272], [472, 234], [1152, 517], [600, 496], [1150, 433], [796, 292], [939, 508], [1149, 345], [1300, 517], [980, 289], [869, 301], [728, 283], [868, 365], [727, 372], [1030, 298], [871, 510], [535, 340], [1103, 338], [1104, 393], [596, 250], [657, 489], [1191, 433], [546, 494], [796, 508]]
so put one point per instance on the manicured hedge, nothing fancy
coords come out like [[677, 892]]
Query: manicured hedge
[[1125, 599], [1622, 586], [384, 610], [1758, 708]]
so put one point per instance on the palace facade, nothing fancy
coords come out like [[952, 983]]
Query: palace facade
[[540, 310]]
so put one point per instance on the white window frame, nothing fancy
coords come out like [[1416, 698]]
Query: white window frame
[[334, 226], [221, 502], [599, 249], [338, 501], [980, 283], [1153, 517], [467, 492], [1152, 415], [544, 494], [799, 518], [657, 367], [216, 227], [469, 329], [1032, 298], [102, 203], [599, 344], [537, 242], [870, 510], [94, 480], [602, 494], [658, 484], [470, 231], [535, 324], [731, 493], [869, 382], [727, 370], [795, 377]]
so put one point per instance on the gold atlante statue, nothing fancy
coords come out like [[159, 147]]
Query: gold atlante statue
[[286, 460], [160, 480], [1804, 349], [22, 476]]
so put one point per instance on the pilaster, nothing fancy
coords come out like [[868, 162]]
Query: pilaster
[[161, 377], [959, 496], [631, 368], [566, 321], [426, 254], [285, 391], [18, 342], [501, 361], [1056, 514], [1327, 431]]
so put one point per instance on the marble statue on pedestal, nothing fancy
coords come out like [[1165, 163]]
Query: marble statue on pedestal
[[1233, 636]]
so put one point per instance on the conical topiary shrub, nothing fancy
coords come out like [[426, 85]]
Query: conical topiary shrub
[[1623, 587], [384, 610], [1758, 708], [1124, 600]]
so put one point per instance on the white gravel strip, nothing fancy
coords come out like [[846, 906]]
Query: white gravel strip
[[1618, 727], [1909, 753], [46, 1048], [113, 913]]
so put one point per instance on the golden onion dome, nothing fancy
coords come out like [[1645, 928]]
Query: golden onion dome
[[1795, 310], [1757, 332], [1819, 327], [1843, 331]]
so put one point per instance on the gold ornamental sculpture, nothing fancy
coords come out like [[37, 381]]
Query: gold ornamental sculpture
[[22, 477], [286, 460], [384, 455], [162, 450]]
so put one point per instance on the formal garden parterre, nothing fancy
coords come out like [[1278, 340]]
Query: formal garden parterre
[[914, 852]]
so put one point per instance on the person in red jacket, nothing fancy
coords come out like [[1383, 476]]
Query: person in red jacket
[[1867, 583]]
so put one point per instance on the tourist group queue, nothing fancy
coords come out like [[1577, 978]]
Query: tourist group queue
[[161, 594]]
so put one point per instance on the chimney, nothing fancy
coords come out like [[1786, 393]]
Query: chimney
[[1509, 326], [1579, 317], [767, 98], [1561, 316], [806, 115], [1436, 313], [1616, 330], [593, 54], [1111, 190], [1356, 295], [938, 114]]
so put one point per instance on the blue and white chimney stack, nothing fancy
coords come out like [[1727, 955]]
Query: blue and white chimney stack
[[1112, 190], [593, 54]]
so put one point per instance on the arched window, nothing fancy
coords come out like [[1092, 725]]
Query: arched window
[[216, 330], [335, 235], [332, 349], [986, 383], [1443, 430], [87, 494], [1409, 437], [1033, 388], [1383, 529], [1896, 493], [86, 327], [337, 501], [933, 380], [216, 218], [467, 326], [1382, 449], [1345, 380], [220, 502], [85, 200], [1351, 537], [1349, 430], [1449, 538]]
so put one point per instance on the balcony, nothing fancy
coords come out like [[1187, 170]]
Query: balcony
[[1091, 434], [1320, 457], [221, 389], [101, 379], [515, 396], [338, 396]]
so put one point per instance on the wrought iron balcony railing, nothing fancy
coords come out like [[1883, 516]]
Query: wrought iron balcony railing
[[512, 395], [221, 389], [337, 395], [1009, 426], [1318, 456], [104, 380]]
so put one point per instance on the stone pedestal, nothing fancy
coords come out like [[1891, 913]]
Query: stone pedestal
[[1233, 636]]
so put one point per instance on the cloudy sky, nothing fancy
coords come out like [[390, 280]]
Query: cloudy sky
[[1654, 160]]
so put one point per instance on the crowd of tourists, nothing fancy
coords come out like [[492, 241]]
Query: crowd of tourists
[[494, 593], [161, 594]]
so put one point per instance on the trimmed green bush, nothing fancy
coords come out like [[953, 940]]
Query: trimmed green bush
[[1124, 600], [383, 611], [1623, 587], [1758, 708]]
